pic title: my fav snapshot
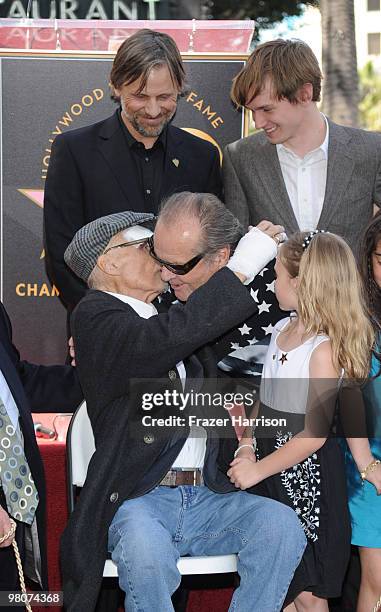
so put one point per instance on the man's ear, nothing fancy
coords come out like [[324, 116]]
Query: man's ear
[[108, 265], [305, 93], [222, 257], [115, 91]]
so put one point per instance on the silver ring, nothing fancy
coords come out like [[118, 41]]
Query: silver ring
[[281, 237]]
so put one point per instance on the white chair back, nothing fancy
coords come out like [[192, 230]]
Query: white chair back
[[82, 445], [80, 448]]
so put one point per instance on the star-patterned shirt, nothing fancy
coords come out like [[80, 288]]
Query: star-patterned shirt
[[242, 350]]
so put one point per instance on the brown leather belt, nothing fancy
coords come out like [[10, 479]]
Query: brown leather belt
[[175, 478]]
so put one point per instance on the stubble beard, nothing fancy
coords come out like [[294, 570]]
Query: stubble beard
[[147, 131]]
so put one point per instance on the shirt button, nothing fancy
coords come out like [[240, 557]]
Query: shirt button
[[146, 159], [114, 497], [172, 375], [148, 191], [149, 438]]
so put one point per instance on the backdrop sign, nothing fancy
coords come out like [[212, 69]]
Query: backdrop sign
[[88, 9], [44, 96]]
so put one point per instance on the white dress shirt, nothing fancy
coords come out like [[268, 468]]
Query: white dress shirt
[[9, 402], [192, 454], [305, 179]]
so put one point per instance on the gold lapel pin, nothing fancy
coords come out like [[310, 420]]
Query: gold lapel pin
[[176, 162]]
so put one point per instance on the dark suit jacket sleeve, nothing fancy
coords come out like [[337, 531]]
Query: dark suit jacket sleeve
[[234, 196], [113, 344], [48, 388], [214, 184], [63, 216]]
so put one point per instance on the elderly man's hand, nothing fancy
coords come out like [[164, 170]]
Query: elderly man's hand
[[255, 250], [276, 232], [5, 527]]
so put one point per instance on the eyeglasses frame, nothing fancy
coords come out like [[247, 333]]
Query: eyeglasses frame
[[179, 269]]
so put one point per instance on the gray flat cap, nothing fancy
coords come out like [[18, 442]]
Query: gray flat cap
[[91, 240]]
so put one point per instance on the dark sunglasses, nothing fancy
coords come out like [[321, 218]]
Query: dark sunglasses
[[179, 269]]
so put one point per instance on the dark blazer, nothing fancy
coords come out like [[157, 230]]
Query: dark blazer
[[114, 347], [91, 174], [36, 389], [255, 189]]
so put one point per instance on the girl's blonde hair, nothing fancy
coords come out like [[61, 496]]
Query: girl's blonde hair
[[330, 298]]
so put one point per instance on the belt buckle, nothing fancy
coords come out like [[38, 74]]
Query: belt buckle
[[195, 472], [169, 479]]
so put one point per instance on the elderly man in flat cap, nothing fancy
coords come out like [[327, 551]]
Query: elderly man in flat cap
[[155, 494]]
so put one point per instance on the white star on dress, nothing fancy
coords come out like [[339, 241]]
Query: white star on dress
[[252, 341], [269, 329], [271, 286], [263, 271], [254, 294], [235, 346], [245, 329], [264, 307]]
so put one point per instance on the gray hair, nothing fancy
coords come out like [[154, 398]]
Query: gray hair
[[219, 227]]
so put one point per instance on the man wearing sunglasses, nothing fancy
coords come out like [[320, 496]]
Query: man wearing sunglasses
[[153, 494]]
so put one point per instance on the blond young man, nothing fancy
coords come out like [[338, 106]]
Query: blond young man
[[301, 170]]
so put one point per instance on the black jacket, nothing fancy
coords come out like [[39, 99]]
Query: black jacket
[[114, 347], [38, 389], [92, 174]]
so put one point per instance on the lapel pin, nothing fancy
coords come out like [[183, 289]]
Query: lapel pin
[[176, 162]]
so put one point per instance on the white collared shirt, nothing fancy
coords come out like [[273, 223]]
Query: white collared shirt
[[192, 454], [9, 402], [305, 179]]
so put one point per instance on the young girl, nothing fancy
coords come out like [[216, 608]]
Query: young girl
[[328, 339], [364, 504]]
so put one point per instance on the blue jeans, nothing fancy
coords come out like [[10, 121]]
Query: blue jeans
[[148, 534]]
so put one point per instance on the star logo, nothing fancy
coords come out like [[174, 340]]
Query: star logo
[[283, 358], [268, 329], [252, 341], [245, 329], [263, 307], [254, 295], [37, 197]]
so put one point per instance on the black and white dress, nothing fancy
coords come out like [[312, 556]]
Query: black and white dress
[[314, 488]]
